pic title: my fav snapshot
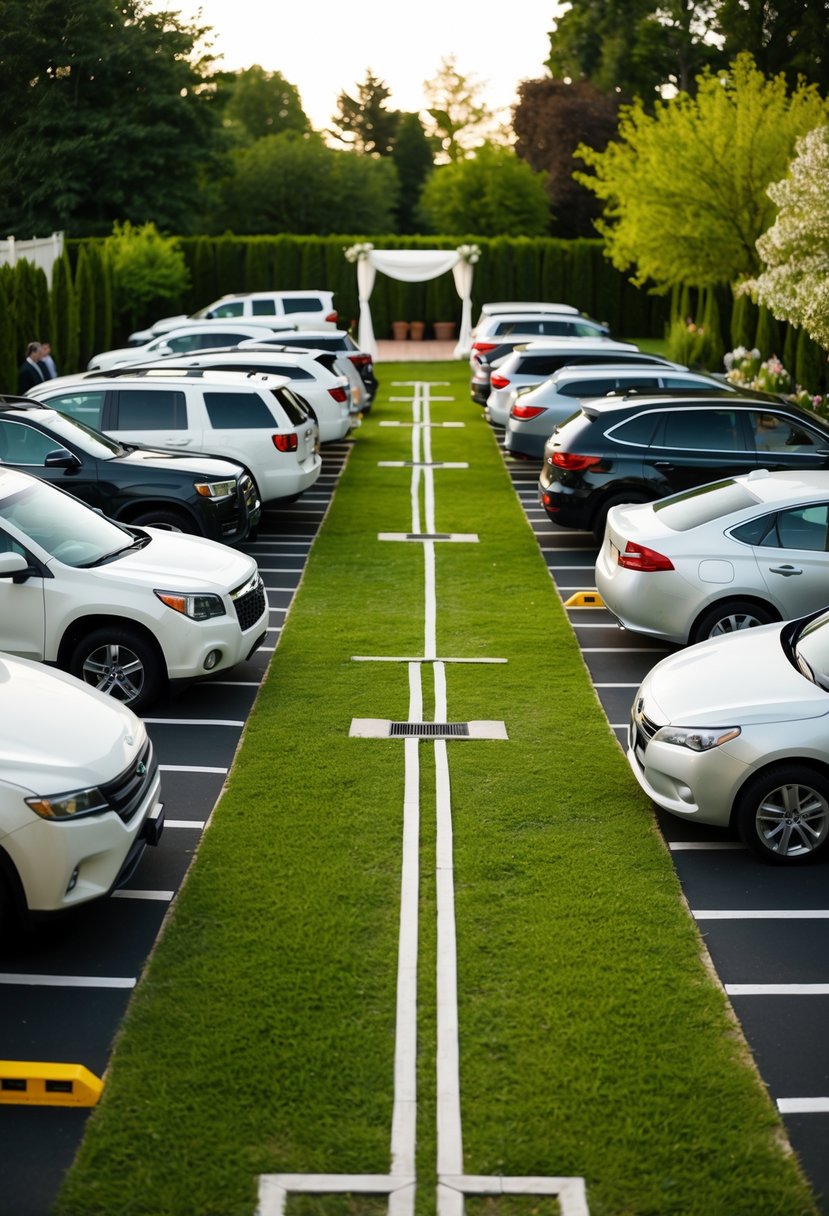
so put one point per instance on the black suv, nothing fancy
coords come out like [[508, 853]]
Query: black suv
[[202, 495], [639, 448]]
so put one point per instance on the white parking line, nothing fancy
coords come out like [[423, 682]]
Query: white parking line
[[131, 893], [66, 981], [761, 914]]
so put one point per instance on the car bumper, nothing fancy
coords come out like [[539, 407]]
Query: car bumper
[[287, 483], [660, 604]]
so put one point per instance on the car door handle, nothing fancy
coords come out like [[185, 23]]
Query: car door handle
[[785, 570], [663, 464]]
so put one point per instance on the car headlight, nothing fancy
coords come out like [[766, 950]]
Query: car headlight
[[698, 739], [216, 489], [197, 607], [70, 806]]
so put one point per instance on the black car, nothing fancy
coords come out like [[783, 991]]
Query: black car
[[639, 448], [202, 495]]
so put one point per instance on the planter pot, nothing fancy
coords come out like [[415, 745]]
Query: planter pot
[[416, 330], [445, 331], [400, 330]]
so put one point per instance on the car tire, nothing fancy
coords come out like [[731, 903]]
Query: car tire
[[783, 814], [598, 525], [172, 521], [121, 662], [727, 616]]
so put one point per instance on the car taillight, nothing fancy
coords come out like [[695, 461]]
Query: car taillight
[[498, 381], [482, 347], [285, 443], [360, 360], [640, 557], [332, 316], [339, 394], [526, 411], [574, 462]]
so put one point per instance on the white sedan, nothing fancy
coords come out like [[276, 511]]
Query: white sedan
[[734, 732], [719, 558], [124, 609]]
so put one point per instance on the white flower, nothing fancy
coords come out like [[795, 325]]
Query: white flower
[[469, 253], [355, 252]]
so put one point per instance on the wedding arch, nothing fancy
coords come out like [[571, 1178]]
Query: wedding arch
[[413, 266]]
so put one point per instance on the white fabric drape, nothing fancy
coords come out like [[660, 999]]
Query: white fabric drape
[[413, 266]]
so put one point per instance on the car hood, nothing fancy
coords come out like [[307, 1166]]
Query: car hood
[[173, 561], [59, 735], [739, 680], [205, 466]]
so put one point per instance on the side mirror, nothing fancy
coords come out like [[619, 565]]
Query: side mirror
[[14, 566], [61, 458]]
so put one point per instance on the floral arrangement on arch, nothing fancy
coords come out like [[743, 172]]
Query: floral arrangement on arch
[[355, 252], [469, 253]]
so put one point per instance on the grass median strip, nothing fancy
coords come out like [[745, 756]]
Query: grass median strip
[[593, 1040]]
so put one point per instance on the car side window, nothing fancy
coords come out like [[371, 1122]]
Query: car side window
[[150, 409], [302, 304], [637, 430], [85, 406], [777, 433], [238, 411], [264, 308], [802, 528], [590, 388], [22, 444], [679, 382], [702, 430], [233, 308]]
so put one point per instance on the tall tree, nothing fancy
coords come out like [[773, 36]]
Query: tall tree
[[105, 116], [790, 36], [634, 47], [412, 156], [459, 117], [550, 120], [256, 103], [491, 193], [684, 190], [363, 123]]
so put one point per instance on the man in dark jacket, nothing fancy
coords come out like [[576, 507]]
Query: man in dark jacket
[[29, 374]]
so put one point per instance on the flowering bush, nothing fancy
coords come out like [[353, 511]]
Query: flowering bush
[[742, 366], [355, 252], [745, 368]]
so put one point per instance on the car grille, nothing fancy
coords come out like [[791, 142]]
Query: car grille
[[249, 602], [126, 793], [243, 505], [646, 726]]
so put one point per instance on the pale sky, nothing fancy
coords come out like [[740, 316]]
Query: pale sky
[[326, 48]]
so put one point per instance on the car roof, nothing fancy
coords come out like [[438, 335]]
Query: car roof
[[698, 399], [172, 375], [540, 345], [589, 371], [773, 485], [497, 307]]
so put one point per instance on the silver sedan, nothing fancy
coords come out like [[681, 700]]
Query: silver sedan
[[735, 733], [719, 558]]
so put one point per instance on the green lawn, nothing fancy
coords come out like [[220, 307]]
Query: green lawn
[[593, 1038]]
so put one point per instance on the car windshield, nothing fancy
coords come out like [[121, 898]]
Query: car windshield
[[60, 525], [811, 650], [61, 426], [691, 508]]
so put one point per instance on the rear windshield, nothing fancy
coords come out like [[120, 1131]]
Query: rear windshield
[[294, 406], [681, 512]]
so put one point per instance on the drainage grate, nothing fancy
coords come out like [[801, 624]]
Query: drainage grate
[[428, 730]]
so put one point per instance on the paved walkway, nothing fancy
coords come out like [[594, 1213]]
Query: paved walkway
[[388, 352]]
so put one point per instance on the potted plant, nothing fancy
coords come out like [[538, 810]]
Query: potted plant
[[444, 331], [416, 330], [400, 330]]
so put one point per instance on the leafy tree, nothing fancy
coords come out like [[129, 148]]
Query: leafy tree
[[789, 36], [63, 333], [363, 123], [412, 156], [550, 120], [492, 193], [633, 47], [458, 116], [148, 271], [105, 116], [255, 103], [285, 183], [795, 250], [685, 189]]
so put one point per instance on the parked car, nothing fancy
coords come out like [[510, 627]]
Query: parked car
[[732, 732], [202, 495], [255, 420], [300, 309], [341, 343], [726, 556], [535, 409], [555, 353], [326, 393], [497, 307], [126, 610], [80, 792], [639, 448], [335, 361], [181, 341]]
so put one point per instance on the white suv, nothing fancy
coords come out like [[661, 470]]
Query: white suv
[[188, 337], [125, 609], [304, 309], [255, 420], [79, 792]]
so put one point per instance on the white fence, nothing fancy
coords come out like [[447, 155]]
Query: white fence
[[43, 252]]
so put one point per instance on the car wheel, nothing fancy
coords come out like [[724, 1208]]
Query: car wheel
[[598, 525], [172, 521], [783, 814], [121, 662], [730, 615]]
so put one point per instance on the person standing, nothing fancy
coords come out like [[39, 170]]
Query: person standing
[[46, 363], [29, 373]]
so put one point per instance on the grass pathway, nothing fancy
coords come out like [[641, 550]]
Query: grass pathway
[[592, 1041]]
